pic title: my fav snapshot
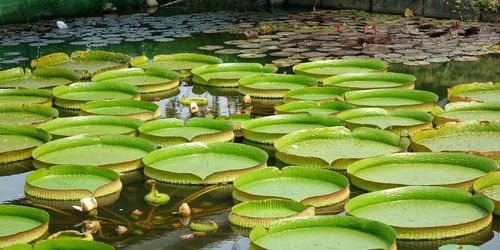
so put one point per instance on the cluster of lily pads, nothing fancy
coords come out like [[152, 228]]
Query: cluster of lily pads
[[344, 122]]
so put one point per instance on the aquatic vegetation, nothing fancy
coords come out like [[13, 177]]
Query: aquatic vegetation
[[154, 197], [211, 227], [489, 186], [19, 141], [273, 85], [371, 80], [202, 101], [317, 94], [71, 243], [326, 68], [43, 78], [314, 108], [141, 110], [22, 224], [391, 99], [463, 111], [182, 62], [26, 114], [226, 75], [479, 92], [25, 96]]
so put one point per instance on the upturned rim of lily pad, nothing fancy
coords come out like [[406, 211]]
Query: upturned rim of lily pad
[[376, 65], [13, 74], [427, 100], [201, 74], [334, 93], [29, 235], [488, 181], [197, 149], [170, 78], [23, 130], [403, 81], [300, 107], [185, 57], [150, 111], [72, 243], [246, 84], [441, 114], [46, 112], [45, 94], [455, 92]]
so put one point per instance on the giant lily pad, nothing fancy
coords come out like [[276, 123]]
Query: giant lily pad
[[72, 182], [201, 164], [273, 85], [371, 81], [262, 213], [117, 152], [91, 125], [391, 99], [479, 92], [72, 96], [72, 244], [39, 79], [309, 186], [400, 121], [336, 147], [323, 232], [489, 185], [327, 68], [26, 96], [18, 141], [314, 108], [172, 131], [182, 62], [463, 111], [237, 120], [419, 212], [87, 63], [419, 169], [228, 74], [21, 224], [141, 110], [269, 128], [473, 137], [26, 114], [318, 94], [152, 79]]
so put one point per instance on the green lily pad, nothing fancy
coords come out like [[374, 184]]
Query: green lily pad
[[273, 85], [336, 147], [72, 244], [18, 141], [419, 169], [237, 120], [141, 110], [309, 186], [72, 182], [201, 164], [74, 95], [314, 108], [91, 125], [416, 211], [318, 94], [87, 63], [117, 152], [26, 96], [320, 232], [327, 68], [149, 80], [400, 121], [458, 247], [473, 137], [228, 74], [463, 111], [489, 185], [479, 92], [391, 99], [185, 61], [262, 213], [371, 81], [172, 131], [26, 114], [270, 128], [39, 79], [21, 224]]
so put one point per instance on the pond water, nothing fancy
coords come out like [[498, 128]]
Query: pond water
[[159, 229]]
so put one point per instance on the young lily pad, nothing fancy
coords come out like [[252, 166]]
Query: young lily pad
[[141, 110], [417, 211], [489, 185], [18, 141], [39, 79], [149, 80], [72, 182], [339, 232], [273, 85], [336, 147], [201, 164], [391, 99], [463, 111], [270, 128], [72, 243], [309, 186], [400, 121], [262, 213], [173, 131], [479, 92], [87, 63], [317, 94], [228, 74], [21, 224], [327, 68], [201, 101], [371, 81], [26, 96], [91, 125], [117, 152], [26, 114], [314, 108], [472, 137], [456, 170], [74, 95]]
